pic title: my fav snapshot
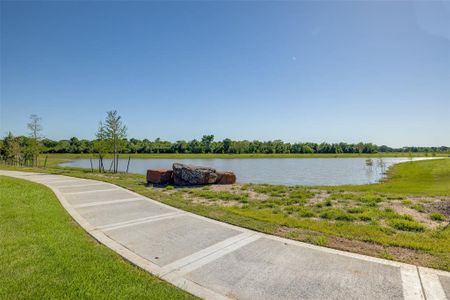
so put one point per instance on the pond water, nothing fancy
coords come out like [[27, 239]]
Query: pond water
[[285, 171]]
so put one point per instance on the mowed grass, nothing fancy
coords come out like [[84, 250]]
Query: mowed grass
[[44, 254], [426, 178]]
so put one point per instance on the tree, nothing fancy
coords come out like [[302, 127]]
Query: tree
[[113, 132], [34, 147], [226, 145], [206, 143], [35, 127], [11, 150]]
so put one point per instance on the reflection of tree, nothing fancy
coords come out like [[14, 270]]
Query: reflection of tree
[[369, 169], [381, 165]]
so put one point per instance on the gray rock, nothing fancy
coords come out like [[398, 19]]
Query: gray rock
[[193, 175]]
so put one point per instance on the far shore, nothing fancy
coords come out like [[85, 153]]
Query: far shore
[[247, 155]]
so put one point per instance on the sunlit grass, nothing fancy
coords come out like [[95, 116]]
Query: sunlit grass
[[44, 254]]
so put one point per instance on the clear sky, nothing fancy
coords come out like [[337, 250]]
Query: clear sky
[[298, 71]]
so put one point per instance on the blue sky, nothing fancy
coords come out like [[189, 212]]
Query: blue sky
[[298, 71]]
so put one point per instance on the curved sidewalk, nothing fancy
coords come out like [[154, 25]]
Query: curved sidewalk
[[214, 260]]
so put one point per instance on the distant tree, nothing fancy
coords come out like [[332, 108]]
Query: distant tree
[[206, 143], [35, 126], [33, 148], [226, 145]]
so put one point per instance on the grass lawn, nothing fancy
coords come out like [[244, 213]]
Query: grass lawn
[[427, 178], [44, 254], [404, 218]]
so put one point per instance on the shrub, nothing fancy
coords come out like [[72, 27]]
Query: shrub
[[418, 207], [305, 213], [407, 225], [371, 199], [336, 214], [355, 210], [365, 217], [437, 216], [345, 217]]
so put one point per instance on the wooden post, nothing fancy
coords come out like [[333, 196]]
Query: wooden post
[[92, 167]]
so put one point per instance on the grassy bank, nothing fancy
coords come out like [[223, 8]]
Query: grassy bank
[[64, 156], [421, 178], [404, 218], [45, 255]]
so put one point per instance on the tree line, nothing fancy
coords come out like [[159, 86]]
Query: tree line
[[207, 144], [111, 138]]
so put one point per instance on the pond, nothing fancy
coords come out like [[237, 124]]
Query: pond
[[284, 171]]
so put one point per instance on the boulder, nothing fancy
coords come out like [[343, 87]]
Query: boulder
[[226, 178], [193, 175], [160, 176]]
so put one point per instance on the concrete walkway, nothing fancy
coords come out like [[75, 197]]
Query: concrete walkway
[[214, 260]]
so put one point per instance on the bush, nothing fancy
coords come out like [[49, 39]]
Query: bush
[[418, 207], [356, 210], [305, 213], [364, 217], [437, 216], [407, 225], [336, 214], [371, 199]]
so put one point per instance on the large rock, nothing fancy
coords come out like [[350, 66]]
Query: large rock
[[225, 178], [193, 175], [160, 176]]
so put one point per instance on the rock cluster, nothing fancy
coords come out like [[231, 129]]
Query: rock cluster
[[182, 174]]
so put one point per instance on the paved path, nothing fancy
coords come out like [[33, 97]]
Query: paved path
[[214, 260]]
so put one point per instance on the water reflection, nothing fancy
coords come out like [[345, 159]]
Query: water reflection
[[286, 171]]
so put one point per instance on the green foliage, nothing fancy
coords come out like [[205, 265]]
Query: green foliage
[[419, 207], [406, 225], [336, 214], [437, 216], [207, 145]]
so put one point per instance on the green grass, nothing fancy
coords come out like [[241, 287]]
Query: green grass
[[424, 178], [44, 254], [406, 225], [437, 216]]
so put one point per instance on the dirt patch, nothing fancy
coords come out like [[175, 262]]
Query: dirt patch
[[210, 202], [421, 217], [319, 197], [442, 206]]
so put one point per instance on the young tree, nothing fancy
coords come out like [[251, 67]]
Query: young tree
[[101, 146], [115, 133], [34, 147]]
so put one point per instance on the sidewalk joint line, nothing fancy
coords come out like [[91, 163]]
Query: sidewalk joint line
[[81, 185], [95, 191], [139, 221], [108, 202], [173, 271]]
